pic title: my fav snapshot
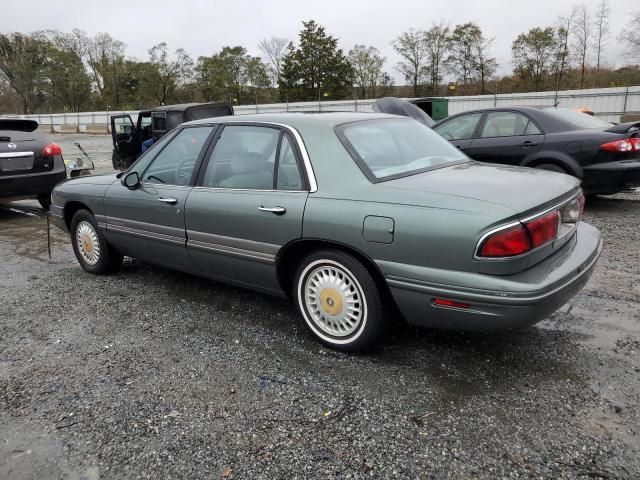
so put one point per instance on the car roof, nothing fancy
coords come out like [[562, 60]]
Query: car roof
[[299, 119], [181, 107]]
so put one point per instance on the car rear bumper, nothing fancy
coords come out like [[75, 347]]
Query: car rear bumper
[[611, 177], [31, 185], [528, 297]]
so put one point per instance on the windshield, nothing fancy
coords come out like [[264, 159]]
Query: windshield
[[392, 148], [579, 119]]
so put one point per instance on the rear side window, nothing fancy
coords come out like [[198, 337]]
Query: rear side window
[[288, 173], [243, 158], [459, 128], [386, 149], [508, 124]]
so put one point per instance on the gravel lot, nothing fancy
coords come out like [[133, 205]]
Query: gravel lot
[[156, 374]]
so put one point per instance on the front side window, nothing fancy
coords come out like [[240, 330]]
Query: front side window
[[386, 149], [243, 158], [175, 163], [459, 128], [508, 124]]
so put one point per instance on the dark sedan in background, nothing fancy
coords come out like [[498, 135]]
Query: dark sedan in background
[[30, 165], [605, 156]]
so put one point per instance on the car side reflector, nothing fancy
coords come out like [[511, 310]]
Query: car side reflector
[[445, 302]]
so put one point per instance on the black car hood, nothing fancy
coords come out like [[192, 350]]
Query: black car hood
[[400, 106]]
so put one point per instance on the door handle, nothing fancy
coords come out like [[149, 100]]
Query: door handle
[[528, 144], [274, 210], [169, 200], [460, 148]]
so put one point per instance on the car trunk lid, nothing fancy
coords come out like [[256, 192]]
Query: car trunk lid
[[523, 190]]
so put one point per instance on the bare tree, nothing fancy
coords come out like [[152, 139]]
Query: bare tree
[[367, 65], [169, 72], [485, 64], [630, 36], [412, 47], [437, 41], [583, 31], [563, 31], [601, 25], [275, 49]]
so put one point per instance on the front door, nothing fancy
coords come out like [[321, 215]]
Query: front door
[[506, 137], [249, 202], [147, 222]]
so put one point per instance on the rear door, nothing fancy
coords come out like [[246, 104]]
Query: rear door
[[506, 137], [123, 134], [460, 130], [249, 202]]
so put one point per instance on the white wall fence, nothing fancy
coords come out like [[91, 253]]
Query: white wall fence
[[607, 103]]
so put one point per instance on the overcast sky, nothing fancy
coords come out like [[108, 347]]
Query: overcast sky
[[202, 27]]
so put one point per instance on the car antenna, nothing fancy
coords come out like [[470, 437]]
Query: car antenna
[[48, 236]]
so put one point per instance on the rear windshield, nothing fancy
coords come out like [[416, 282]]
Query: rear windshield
[[579, 119], [391, 148]]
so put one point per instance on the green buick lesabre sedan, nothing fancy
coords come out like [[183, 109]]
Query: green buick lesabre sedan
[[353, 216]]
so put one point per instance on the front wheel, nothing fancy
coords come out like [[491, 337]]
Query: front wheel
[[93, 252], [339, 301]]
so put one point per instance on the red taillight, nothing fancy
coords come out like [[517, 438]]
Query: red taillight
[[445, 302], [636, 144], [543, 229], [506, 243], [51, 150], [621, 146]]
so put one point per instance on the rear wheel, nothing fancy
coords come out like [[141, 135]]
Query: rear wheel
[[552, 167], [45, 201], [339, 301], [92, 250]]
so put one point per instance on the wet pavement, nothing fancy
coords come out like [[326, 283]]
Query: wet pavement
[[150, 373]]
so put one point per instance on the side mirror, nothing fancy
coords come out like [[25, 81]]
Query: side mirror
[[131, 180]]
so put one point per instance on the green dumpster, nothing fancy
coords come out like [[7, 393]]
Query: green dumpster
[[436, 108]]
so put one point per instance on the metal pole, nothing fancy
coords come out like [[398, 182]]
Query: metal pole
[[626, 96]]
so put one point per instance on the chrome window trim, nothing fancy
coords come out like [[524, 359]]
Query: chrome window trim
[[17, 154], [248, 189], [562, 239], [313, 184]]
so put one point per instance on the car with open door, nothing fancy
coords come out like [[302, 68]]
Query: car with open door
[[606, 157], [347, 214], [30, 164], [154, 123]]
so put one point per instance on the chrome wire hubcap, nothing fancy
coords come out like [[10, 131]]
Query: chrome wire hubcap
[[87, 242], [334, 300]]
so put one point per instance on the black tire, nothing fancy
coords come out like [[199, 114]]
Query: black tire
[[552, 167], [108, 258], [360, 289], [45, 201]]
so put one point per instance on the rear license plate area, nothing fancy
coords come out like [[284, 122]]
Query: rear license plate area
[[16, 164]]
